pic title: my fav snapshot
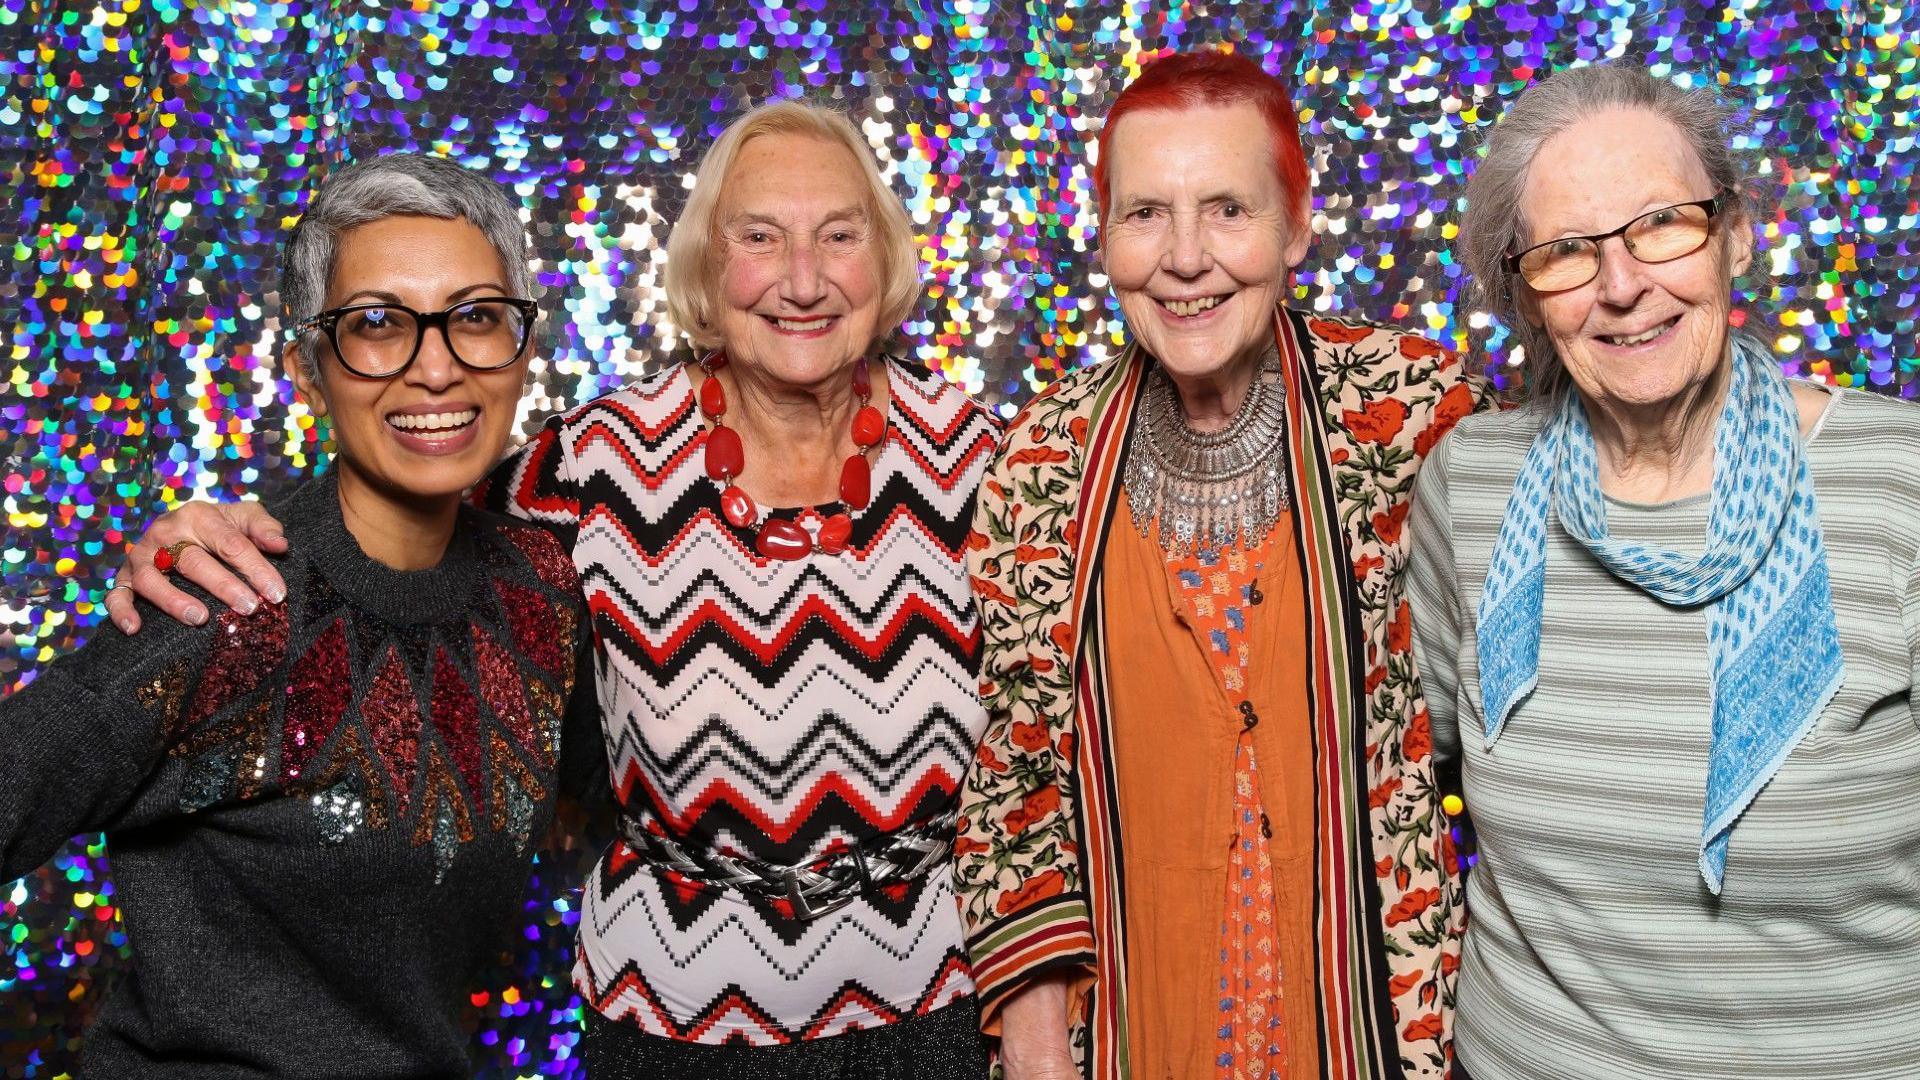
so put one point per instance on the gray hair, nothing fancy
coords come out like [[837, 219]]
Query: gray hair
[[383, 187], [1495, 222]]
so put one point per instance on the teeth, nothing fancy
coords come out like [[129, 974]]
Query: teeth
[[1637, 339], [433, 425], [799, 326], [1186, 308]]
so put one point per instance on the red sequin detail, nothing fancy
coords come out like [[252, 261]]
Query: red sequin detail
[[392, 717], [245, 650], [456, 715], [318, 688], [534, 628], [504, 688], [549, 560]]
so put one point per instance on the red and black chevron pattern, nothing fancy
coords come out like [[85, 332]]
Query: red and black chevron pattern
[[774, 709]]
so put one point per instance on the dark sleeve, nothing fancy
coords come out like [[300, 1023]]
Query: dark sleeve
[[78, 744], [583, 743], [534, 484]]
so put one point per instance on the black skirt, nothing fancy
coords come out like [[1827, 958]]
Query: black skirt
[[945, 1044]]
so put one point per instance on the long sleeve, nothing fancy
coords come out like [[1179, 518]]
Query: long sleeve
[[583, 744], [1017, 868], [1433, 591], [80, 741]]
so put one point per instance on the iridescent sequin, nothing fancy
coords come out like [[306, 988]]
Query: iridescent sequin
[[172, 144]]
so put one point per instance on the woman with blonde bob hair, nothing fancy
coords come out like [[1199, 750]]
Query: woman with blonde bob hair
[[770, 538]]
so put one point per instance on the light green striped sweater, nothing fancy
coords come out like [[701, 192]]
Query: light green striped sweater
[[1594, 949]]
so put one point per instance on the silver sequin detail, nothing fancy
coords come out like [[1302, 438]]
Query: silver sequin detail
[[1209, 489], [209, 779], [446, 840], [519, 813], [340, 811]]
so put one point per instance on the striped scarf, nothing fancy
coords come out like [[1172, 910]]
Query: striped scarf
[[1774, 647]]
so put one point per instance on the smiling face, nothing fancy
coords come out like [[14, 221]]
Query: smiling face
[[1199, 237], [1638, 334], [433, 431], [799, 271]]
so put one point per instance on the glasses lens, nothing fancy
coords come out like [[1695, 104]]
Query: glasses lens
[[376, 341], [1668, 234], [487, 333], [1562, 264]]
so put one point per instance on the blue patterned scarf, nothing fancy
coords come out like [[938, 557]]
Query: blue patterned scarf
[[1763, 579]]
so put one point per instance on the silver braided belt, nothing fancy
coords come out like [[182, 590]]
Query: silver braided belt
[[815, 887]]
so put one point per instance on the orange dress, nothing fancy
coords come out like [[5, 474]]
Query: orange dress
[[1214, 765]]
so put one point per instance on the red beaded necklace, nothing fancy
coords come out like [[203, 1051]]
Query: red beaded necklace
[[780, 538]]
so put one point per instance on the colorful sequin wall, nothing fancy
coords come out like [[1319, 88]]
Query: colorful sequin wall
[[154, 153]]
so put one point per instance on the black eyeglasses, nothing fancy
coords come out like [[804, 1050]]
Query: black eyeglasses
[[379, 341], [1657, 236]]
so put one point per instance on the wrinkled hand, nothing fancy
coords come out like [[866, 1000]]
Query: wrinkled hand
[[231, 538], [1033, 1034]]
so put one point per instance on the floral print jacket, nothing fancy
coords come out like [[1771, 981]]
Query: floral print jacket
[[1037, 868]]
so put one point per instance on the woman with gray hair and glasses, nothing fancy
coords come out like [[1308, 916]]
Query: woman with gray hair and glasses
[[1667, 623], [321, 808]]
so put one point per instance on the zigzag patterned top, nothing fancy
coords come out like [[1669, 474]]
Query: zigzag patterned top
[[774, 709]]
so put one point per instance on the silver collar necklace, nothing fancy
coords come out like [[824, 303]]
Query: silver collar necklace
[[1208, 489]]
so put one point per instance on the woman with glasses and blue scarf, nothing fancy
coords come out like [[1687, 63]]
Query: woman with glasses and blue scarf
[[1667, 616]]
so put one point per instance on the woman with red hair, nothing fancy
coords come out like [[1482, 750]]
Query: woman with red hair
[[1201, 839]]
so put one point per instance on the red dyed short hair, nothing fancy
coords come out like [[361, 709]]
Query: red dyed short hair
[[1205, 77]]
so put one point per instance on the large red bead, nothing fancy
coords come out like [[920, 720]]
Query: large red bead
[[713, 398], [862, 380], [868, 426], [738, 506], [782, 539], [834, 533], [856, 482], [725, 456]]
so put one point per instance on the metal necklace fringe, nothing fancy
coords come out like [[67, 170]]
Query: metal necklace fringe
[[1209, 489]]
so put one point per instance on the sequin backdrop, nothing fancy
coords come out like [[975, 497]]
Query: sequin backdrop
[[154, 153]]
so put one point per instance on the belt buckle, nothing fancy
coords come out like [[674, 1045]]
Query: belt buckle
[[848, 888]]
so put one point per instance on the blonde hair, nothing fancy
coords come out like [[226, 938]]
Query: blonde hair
[[692, 264]]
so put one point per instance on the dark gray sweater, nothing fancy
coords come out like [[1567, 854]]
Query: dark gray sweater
[[319, 816]]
